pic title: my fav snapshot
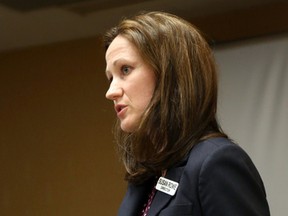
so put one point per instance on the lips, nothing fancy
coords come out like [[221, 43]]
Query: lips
[[119, 108]]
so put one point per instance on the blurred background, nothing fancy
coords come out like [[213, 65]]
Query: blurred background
[[57, 155]]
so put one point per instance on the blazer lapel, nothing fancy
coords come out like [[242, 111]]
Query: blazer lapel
[[162, 199], [134, 199], [136, 195]]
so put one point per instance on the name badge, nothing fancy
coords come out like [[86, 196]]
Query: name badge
[[167, 186]]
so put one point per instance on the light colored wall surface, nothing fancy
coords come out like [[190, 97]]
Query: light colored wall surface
[[253, 108], [57, 156]]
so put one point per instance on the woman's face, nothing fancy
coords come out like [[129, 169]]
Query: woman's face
[[132, 82]]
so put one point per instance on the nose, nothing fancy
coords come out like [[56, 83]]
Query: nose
[[114, 92]]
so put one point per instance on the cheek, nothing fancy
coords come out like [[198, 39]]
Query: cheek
[[142, 88], [146, 96], [140, 96]]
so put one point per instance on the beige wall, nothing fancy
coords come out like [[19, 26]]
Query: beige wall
[[57, 155]]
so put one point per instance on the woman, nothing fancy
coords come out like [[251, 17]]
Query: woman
[[178, 161]]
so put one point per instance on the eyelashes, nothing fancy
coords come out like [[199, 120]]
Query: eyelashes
[[123, 71]]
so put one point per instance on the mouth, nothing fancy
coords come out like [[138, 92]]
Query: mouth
[[119, 108]]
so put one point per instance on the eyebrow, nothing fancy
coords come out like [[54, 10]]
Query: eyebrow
[[115, 63]]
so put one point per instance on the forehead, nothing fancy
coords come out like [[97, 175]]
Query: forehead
[[120, 46]]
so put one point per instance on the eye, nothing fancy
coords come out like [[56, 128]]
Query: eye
[[125, 69]]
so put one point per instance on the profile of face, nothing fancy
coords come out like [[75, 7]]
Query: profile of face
[[132, 82]]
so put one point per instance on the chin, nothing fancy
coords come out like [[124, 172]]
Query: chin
[[127, 128]]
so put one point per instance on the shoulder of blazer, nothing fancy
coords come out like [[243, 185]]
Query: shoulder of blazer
[[206, 154], [220, 171], [203, 150], [193, 164]]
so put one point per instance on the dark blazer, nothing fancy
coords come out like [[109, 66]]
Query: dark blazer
[[216, 179]]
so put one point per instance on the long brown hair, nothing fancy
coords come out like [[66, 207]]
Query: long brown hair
[[183, 108]]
